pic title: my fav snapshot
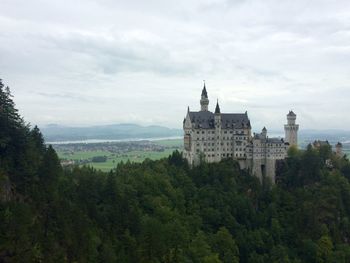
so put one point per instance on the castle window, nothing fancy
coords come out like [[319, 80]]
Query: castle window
[[197, 132]]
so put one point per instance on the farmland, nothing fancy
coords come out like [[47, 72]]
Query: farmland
[[105, 156]]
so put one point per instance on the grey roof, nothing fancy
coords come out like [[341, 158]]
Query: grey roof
[[320, 143], [274, 140], [217, 108], [291, 113], [204, 92], [267, 139], [205, 120]]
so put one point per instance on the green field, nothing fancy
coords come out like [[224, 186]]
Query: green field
[[170, 143], [113, 159]]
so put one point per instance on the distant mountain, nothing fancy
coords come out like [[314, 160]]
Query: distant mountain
[[332, 135], [54, 132]]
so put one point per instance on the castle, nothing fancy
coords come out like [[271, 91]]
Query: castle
[[216, 136]]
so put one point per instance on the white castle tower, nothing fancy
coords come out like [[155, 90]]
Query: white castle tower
[[291, 129]]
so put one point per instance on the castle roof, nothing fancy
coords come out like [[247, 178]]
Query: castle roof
[[273, 140], [205, 120], [291, 113], [319, 143], [204, 92], [339, 144], [217, 108]]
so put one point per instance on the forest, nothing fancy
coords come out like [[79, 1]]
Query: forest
[[164, 210]]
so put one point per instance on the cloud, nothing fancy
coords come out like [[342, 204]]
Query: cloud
[[144, 61]]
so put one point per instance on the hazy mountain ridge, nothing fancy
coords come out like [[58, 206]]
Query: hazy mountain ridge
[[55, 132]]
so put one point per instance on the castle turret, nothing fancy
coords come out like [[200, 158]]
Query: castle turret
[[204, 99], [339, 149], [291, 129], [217, 118], [217, 108], [187, 127], [264, 132]]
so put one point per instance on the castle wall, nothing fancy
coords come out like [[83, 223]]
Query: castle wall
[[233, 139]]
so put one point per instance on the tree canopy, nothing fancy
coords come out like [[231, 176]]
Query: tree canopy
[[166, 211]]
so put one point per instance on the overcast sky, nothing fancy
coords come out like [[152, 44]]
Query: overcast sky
[[88, 62]]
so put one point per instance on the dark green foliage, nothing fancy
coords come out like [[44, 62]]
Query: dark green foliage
[[165, 211], [99, 159]]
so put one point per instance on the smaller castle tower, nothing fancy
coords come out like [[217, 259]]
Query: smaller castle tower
[[264, 132], [339, 149], [291, 129], [204, 99]]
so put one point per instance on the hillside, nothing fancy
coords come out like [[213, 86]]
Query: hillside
[[165, 211]]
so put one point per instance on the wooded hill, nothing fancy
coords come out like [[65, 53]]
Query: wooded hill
[[165, 211]]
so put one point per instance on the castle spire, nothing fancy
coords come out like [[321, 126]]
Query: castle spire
[[204, 91], [217, 108], [204, 99]]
